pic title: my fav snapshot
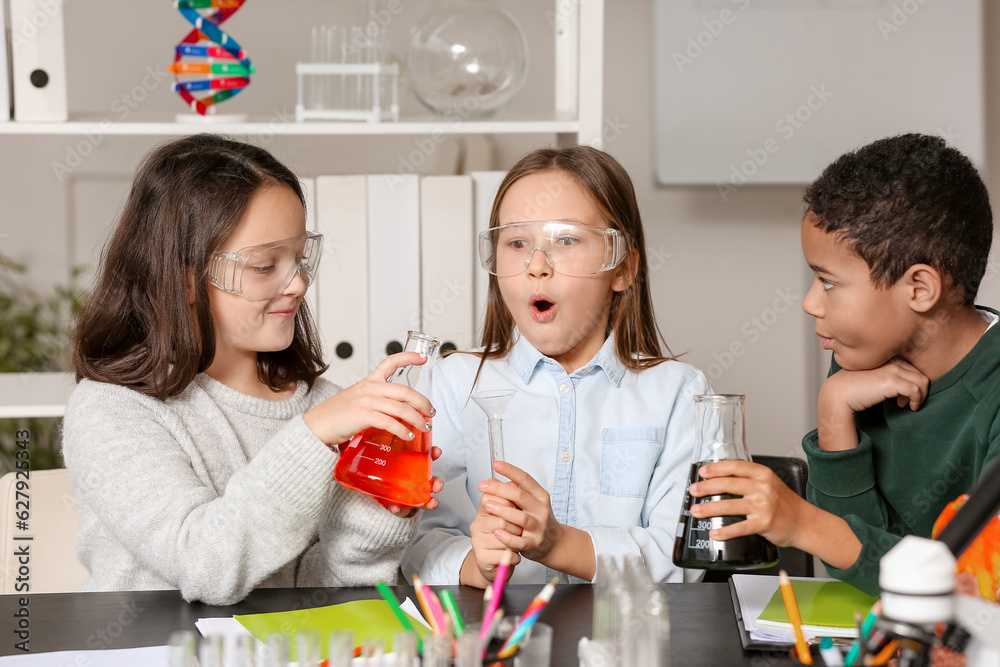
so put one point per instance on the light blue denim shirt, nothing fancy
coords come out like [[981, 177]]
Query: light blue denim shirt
[[611, 446]]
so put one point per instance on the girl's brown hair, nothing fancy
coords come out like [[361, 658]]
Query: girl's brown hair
[[637, 336], [137, 328]]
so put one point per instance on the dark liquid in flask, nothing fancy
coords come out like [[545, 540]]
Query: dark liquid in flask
[[693, 548]]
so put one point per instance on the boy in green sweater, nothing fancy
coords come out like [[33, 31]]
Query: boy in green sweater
[[898, 236]]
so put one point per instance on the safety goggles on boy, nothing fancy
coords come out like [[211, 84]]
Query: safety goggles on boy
[[262, 272], [570, 248]]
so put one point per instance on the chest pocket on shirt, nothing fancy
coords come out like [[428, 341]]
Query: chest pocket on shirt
[[628, 456]]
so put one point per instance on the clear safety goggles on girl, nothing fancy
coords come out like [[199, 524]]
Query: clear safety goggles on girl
[[569, 248], [262, 272]]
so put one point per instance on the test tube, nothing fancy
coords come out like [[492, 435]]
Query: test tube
[[372, 652], [182, 648], [274, 652], [437, 651], [346, 101], [404, 648], [310, 81], [329, 57], [340, 648], [242, 651], [358, 41], [468, 651], [307, 647], [210, 651]]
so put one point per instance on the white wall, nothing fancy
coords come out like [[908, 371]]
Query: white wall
[[721, 271]]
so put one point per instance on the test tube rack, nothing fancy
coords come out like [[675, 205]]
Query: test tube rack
[[380, 80]]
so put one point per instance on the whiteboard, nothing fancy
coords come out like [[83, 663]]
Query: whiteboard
[[753, 92]]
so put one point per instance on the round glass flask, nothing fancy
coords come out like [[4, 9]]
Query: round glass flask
[[388, 468], [467, 58], [722, 435]]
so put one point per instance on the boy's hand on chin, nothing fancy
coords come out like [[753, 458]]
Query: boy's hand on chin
[[860, 390]]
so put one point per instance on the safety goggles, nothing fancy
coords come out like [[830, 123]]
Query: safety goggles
[[262, 272], [569, 248]]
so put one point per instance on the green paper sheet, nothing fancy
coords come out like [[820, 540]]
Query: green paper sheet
[[829, 604], [369, 619]]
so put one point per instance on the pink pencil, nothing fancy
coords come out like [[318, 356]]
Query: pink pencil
[[498, 581]]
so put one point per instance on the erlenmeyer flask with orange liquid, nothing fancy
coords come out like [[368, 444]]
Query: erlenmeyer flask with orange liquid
[[384, 466]]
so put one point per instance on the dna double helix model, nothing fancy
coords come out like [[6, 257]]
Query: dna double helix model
[[208, 58]]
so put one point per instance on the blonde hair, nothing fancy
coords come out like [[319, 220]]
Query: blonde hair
[[637, 336]]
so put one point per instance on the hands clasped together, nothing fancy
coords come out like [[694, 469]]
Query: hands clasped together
[[515, 515]]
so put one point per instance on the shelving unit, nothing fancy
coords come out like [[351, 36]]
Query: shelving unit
[[577, 117], [164, 126]]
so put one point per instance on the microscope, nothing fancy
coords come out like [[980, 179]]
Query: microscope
[[917, 578]]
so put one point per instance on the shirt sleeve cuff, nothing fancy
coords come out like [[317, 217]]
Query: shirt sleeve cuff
[[443, 564], [840, 474], [863, 573]]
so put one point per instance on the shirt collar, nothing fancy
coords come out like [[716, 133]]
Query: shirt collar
[[524, 358]]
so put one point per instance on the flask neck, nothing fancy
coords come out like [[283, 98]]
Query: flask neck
[[424, 345], [721, 427]]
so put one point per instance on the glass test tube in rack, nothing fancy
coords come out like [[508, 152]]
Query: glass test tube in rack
[[349, 77]]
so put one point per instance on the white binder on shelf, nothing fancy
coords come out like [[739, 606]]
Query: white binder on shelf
[[38, 60], [342, 281], [484, 190], [446, 255], [309, 193], [393, 261], [6, 97]]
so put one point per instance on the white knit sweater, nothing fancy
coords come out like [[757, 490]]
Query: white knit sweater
[[216, 493]]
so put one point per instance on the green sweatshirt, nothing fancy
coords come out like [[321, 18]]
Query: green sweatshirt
[[909, 465]]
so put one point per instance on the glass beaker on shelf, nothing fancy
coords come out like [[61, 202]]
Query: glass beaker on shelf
[[721, 435], [384, 466]]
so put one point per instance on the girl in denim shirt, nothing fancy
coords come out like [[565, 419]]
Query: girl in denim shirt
[[600, 433]]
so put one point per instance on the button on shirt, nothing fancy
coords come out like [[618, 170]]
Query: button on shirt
[[611, 446]]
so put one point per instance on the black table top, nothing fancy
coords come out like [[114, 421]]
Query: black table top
[[703, 627]]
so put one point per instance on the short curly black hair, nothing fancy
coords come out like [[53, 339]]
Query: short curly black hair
[[905, 200]]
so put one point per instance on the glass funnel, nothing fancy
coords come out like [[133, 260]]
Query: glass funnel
[[493, 403], [389, 468], [722, 435]]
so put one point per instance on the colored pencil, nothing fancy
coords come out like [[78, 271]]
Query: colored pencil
[[863, 629], [425, 605], [484, 641], [830, 653], [883, 656], [792, 607], [448, 601], [528, 619], [401, 615], [436, 609], [498, 582], [487, 596]]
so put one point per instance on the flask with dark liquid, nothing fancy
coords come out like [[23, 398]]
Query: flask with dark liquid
[[384, 466], [722, 435]]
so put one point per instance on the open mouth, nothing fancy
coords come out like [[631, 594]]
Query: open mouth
[[542, 309]]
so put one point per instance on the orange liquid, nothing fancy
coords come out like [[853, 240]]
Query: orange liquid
[[386, 467]]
